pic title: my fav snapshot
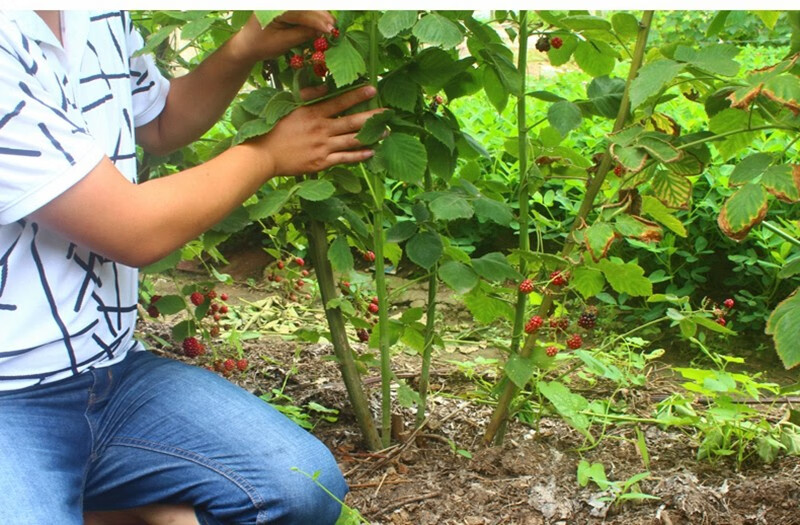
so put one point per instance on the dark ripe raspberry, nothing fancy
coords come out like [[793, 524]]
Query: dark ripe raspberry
[[551, 351], [373, 308], [218, 366], [197, 298], [152, 311], [320, 69], [241, 364], [556, 42], [728, 303], [543, 44], [587, 320], [318, 57], [154, 299], [619, 170], [369, 256], [211, 294], [526, 286], [299, 261], [559, 323], [192, 347], [558, 278], [574, 341], [280, 265], [224, 297], [721, 321], [229, 365], [321, 44], [296, 62], [335, 33], [533, 324], [214, 307], [363, 335]]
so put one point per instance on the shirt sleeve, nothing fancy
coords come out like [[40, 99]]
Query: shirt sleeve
[[149, 87], [44, 146]]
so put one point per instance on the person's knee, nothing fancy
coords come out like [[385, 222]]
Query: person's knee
[[315, 496]]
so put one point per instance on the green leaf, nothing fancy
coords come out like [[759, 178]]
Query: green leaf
[[626, 278], [790, 267], [440, 130], [399, 91], [568, 404], [672, 189], [660, 149], [255, 101], [460, 277], [449, 207], [171, 304], [595, 58], [519, 370], [750, 168], [392, 23], [783, 182], [155, 39], [770, 18], [562, 55], [494, 88], [250, 129], [605, 94], [404, 157], [373, 129], [438, 31], [441, 161], [345, 62], [495, 211], [652, 78], [715, 58], [660, 213], [340, 256], [494, 267], [632, 158], [587, 281], [784, 89], [625, 25], [183, 329], [235, 221], [281, 104], [315, 189], [717, 23], [486, 309], [392, 252], [196, 28], [598, 238], [585, 22], [343, 304], [269, 205], [401, 231], [167, 263], [564, 116], [265, 17], [784, 327], [424, 249], [743, 210], [731, 120], [346, 179]]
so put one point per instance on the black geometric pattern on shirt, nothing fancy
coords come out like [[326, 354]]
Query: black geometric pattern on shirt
[[121, 56], [42, 376], [4, 271], [56, 144], [75, 128], [51, 301], [111, 348], [121, 156], [5, 119], [86, 329], [106, 16], [118, 310], [88, 267], [103, 75]]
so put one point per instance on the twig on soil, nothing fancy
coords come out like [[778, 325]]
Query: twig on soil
[[403, 502], [370, 484], [380, 484]]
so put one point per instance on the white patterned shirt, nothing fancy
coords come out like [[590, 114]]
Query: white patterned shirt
[[63, 308]]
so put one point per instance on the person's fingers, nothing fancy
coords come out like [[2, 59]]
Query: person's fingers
[[349, 157], [320, 21], [344, 142], [350, 123], [312, 92], [344, 101]]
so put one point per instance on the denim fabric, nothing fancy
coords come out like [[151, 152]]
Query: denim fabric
[[155, 430]]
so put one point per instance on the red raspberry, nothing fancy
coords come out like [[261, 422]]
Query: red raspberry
[[214, 307], [533, 324], [526, 286], [556, 42], [299, 261], [218, 366], [574, 341], [211, 294], [374, 299], [320, 69], [214, 331], [241, 364], [293, 297], [299, 283], [224, 297], [728, 303], [278, 278], [154, 299], [224, 309], [229, 364], [363, 335], [369, 256], [217, 317], [304, 273], [321, 44], [296, 62], [558, 278], [438, 99], [192, 347], [559, 323], [721, 321], [551, 351], [197, 298], [373, 308], [335, 33], [619, 170], [152, 311], [318, 57], [280, 265]]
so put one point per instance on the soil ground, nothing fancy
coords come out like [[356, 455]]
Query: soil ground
[[426, 477]]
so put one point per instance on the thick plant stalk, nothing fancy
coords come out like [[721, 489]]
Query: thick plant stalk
[[341, 348], [430, 313], [510, 390]]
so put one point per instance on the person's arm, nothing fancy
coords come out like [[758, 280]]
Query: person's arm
[[139, 224], [198, 99]]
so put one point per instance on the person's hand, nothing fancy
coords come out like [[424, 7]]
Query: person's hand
[[312, 138], [290, 29]]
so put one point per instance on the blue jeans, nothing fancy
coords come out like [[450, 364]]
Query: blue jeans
[[155, 430]]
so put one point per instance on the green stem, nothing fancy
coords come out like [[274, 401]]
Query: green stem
[[780, 233], [510, 390]]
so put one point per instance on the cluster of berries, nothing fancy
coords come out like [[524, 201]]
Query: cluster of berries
[[216, 309], [227, 366], [588, 318], [296, 279], [619, 170], [544, 43], [720, 313], [557, 278], [368, 256], [315, 58]]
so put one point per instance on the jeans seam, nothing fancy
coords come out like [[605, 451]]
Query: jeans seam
[[198, 459]]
